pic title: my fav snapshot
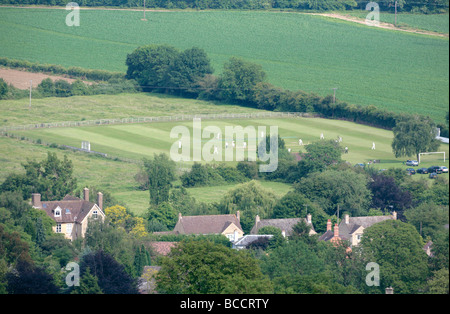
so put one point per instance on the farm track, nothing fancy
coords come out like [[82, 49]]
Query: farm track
[[381, 24], [331, 15]]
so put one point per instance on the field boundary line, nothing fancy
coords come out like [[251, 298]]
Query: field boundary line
[[180, 117]]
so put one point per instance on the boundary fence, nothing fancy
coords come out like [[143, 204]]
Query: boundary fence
[[181, 117], [8, 130]]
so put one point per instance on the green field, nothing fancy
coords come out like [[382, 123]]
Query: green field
[[398, 71], [135, 141], [81, 108]]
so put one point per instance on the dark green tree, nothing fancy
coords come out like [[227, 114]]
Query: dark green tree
[[319, 155], [3, 89], [149, 65], [204, 267], [238, 80], [397, 248], [333, 187], [46, 87], [413, 136], [187, 70], [161, 172], [88, 284], [141, 259], [40, 232], [250, 199], [29, 279], [111, 275], [52, 178]]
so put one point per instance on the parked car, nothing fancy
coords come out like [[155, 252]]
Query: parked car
[[413, 163], [444, 169], [436, 169], [411, 171], [422, 170], [433, 175]]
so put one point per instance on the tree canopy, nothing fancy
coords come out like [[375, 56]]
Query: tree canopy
[[204, 267], [413, 136]]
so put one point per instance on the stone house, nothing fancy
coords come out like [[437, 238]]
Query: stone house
[[228, 225], [71, 214], [284, 224], [352, 228]]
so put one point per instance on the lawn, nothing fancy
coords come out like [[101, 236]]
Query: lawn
[[393, 70], [142, 140], [136, 141]]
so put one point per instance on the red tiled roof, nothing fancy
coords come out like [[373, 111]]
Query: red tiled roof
[[162, 248], [205, 224], [73, 209]]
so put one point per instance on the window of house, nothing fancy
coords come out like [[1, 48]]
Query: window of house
[[58, 228], [58, 212], [69, 228], [94, 214]]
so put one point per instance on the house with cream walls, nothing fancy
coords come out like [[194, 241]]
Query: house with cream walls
[[227, 225], [351, 229], [71, 214]]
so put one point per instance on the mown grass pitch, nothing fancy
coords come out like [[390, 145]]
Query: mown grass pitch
[[399, 71], [137, 141]]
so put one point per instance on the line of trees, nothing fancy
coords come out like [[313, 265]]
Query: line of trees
[[188, 73], [424, 6]]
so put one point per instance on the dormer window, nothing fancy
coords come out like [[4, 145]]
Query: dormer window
[[58, 212]]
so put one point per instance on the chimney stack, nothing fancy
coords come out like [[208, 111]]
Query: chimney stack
[[257, 219], [100, 200], [179, 216], [347, 219], [36, 200], [238, 215], [329, 225], [336, 230], [394, 215], [86, 194], [308, 219]]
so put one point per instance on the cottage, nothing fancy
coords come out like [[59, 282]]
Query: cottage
[[284, 224], [352, 228], [228, 225], [71, 214]]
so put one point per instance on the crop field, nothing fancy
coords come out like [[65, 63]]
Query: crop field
[[399, 71]]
